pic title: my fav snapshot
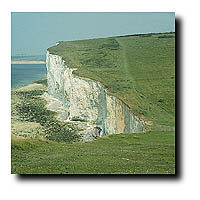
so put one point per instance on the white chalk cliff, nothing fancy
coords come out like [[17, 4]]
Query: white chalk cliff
[[87, 100]]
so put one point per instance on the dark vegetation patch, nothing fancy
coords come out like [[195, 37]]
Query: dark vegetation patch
[[144, 35], [76, 118], [44, 82], [166, 36]]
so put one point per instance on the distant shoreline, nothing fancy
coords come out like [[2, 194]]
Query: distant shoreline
[[27, 62]]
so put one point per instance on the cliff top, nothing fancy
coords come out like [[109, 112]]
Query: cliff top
[[138, 69]]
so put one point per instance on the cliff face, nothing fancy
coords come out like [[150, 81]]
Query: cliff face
[[88, 101]]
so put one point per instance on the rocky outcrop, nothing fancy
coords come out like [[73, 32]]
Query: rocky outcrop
[[87, 101]]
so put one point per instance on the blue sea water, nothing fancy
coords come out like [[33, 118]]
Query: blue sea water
[[24, 74]]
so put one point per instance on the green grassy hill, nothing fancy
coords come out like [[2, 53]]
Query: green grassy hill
[[140, 153], [138, 69]]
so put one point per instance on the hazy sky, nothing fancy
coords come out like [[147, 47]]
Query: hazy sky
[[33, 33]]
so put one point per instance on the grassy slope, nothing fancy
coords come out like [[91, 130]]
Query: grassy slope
[[144, 153], [140, 70]]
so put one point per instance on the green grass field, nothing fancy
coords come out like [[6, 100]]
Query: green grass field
[[138, 69], [141, 153]]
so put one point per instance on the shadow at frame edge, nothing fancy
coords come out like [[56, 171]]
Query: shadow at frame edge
[[178, 97], [96, 177]]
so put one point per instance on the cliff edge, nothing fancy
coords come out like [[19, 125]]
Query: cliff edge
[[87, 101]]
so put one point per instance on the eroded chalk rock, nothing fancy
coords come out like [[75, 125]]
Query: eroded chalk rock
[[88, 101]]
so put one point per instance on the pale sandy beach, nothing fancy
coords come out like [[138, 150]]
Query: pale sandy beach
[[27, 62]]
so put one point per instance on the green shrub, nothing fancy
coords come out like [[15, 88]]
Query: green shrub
[[77, 118], [43, 82]]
